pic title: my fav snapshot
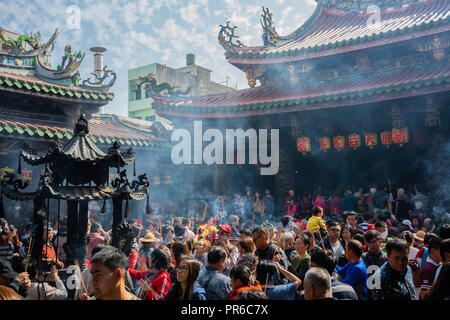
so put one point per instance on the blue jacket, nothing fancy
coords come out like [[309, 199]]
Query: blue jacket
[[355, 274], [198, 293], [216, 285], [350, 203], [269, 202]]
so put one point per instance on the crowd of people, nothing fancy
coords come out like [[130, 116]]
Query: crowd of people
[[377, 245]]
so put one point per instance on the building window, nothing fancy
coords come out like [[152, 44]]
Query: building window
[[147, 94], [138, 93]]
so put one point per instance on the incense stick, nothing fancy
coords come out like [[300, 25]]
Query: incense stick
[[267, 280], [81, 276], [321, 240], [28, 255]]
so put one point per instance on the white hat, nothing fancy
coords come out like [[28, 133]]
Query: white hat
[[373, 190], [408, 223]]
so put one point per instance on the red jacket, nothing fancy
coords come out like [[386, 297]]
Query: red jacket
[[159, 287]]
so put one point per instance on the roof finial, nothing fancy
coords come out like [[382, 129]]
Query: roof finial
[[81, 127]]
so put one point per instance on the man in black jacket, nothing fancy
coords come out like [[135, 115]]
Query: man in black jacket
[[265, 248], [334, 243], [374, 256]]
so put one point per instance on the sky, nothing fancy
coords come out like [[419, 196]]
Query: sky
[[141, 32]]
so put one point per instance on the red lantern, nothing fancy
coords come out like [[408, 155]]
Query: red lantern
[[371, 139], [325, 143], [400, 136], [354, 141], [304, 145], [386, 138], [339, 142]]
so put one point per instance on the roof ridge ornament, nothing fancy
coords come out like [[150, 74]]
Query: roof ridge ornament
[[81, 127], [18, 46], [229, 32], [270, 35]]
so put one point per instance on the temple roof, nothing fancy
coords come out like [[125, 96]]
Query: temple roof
[[104, 129], [333, 29], [30, 84], [25, 66], [394, 83]]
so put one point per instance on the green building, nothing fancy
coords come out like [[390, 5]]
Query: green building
[[199, 78]]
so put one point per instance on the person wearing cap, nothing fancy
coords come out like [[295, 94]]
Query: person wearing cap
[[19, 282], [48, 250], [407, 226], [148, 245], [231, 250]]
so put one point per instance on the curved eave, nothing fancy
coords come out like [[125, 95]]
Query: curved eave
[[36, 88], [8, 128], [384, 93]]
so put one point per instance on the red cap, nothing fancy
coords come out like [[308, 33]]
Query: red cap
[[371, 227], [139, 222], [226, 228]]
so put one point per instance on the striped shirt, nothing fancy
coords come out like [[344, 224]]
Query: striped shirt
[[7, 251]]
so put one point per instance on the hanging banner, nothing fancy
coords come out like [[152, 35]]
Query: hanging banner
[[325, 143], [371, 139], [354, 141], [339, 142], [386, 138], [400, 136], [304, 145]]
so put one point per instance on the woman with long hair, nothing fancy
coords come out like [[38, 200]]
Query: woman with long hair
[[155, 282], [178, 249], [186, 287]]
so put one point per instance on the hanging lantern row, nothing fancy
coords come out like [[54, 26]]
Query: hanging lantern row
[[354, 141]]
